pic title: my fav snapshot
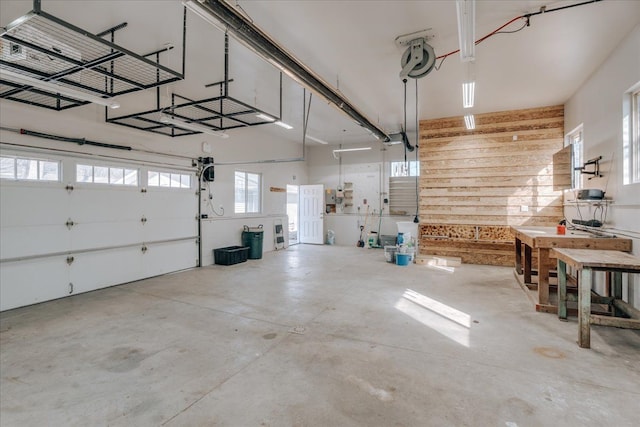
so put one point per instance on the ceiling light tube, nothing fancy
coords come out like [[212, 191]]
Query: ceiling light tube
[[470, 122], [468, 94], [265, 117], [283, 125], [191, 126], [319, 141], [345, 150], [53, 86], [466, 29]]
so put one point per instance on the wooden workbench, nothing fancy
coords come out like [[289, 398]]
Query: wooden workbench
[[585, 261], [543, 239]]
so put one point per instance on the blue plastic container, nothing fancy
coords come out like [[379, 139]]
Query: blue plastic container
[[402, 259]]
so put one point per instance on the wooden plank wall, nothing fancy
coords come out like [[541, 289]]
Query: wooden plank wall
[[474, 184]]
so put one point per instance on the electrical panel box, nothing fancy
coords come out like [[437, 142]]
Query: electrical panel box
[[330, 197], [330, 201]]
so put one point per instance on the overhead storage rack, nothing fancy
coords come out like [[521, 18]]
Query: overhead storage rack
[[41, 46], [217, 114]]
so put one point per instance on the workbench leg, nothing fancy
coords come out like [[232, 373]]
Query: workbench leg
[[543, 276], [584, 309], [617, 290], [527, 264], [518, 256], [562, 290]]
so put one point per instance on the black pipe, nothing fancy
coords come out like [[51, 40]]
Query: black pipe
[[262, 44], [79, 141]]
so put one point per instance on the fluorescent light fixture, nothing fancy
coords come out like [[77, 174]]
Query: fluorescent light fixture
[[319, 141], [283, 125], [191, 126], [467, 29], [17, 22], [468, 92], [52, 86], [273, 120], [265, 117], [470, 122], [196, 7], [346, 150]]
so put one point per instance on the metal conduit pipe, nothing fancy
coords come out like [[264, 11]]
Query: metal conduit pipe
[[258, 41]]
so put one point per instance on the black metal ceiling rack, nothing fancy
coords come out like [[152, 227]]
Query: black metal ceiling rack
[[42, 46], [219, 113]]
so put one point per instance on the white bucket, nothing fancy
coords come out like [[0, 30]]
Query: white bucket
[[408, 227]]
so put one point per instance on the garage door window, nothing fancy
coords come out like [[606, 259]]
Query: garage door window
[[112, 175], [18, 168], [168, 179]]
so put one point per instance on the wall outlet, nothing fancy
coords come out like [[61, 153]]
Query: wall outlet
[[524, 208]]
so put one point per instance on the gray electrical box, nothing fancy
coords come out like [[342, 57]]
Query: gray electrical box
[[330, 197]]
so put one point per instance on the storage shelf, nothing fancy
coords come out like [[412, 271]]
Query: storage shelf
[[595, 202]]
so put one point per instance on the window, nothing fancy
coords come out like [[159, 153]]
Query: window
[[18, 168], [112, 175], [403, 187], [635, 134], [168, 179], [410, 168], [574, 138], [247, 192], [631, 136]]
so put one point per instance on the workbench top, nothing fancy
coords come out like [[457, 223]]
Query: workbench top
[[547, 237], [597, 259]]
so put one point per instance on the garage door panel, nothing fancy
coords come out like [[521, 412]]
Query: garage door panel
[[32, 205], [33, 240], [105, 234], [22, 283], [162, 229], [111, 225], [170, 257], [106, 205], [170, 203], [95, 270]]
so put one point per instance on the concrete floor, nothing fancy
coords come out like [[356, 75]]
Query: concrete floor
[[313, 336]]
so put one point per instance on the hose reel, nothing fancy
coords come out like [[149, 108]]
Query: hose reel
[[419, 58]]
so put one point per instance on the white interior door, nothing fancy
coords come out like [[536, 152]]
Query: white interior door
[[312, 214], [293, 213]]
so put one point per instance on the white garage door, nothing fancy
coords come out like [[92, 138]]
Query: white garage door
[[72, 225]]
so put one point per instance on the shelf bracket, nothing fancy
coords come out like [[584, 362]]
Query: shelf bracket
[[596, 168]]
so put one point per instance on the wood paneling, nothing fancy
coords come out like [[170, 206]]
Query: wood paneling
[[510, 170]]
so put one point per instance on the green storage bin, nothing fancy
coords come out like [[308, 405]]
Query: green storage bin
[[253, 237]]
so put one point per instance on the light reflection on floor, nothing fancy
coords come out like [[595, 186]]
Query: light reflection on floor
[[441, 264], [446, 320]]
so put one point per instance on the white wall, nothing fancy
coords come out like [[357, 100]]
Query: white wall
[[598, 106], [218, 232], [369, 173]]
